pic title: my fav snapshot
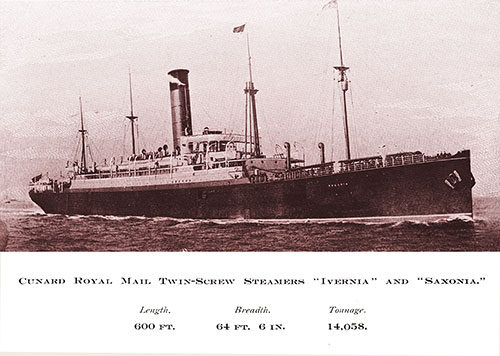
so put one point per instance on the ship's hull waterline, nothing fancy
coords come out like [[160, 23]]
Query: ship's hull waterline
[[414, 190]]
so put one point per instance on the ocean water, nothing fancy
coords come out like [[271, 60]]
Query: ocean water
[[31, 230]]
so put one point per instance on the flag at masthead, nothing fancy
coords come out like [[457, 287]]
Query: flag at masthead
[[239, 29]]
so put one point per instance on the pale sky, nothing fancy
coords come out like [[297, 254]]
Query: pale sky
[[425, 75]]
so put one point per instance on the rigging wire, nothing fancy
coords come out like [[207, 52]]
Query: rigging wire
[[205, 111], [124, 126], [98, 153], [354, 126], [77, 148], [90, 150], [324, 96], [332, 118], [246, 125], [232, 114], [139, 138]]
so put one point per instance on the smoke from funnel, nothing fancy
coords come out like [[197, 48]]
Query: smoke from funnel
[[174, 80]]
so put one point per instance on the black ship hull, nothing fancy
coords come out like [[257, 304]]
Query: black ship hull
[[420, 189]]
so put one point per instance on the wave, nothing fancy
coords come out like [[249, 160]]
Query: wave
[[381, 222], [104, 217], [21, 211], [444, 222]]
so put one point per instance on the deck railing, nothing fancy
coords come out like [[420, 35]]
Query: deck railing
[[363, 164], [117, 171]]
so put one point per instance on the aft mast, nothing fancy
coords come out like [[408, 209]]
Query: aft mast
[[83, 159], [342, 80], [131, 117]]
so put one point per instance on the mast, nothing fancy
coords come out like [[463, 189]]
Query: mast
[[83, 159], [251, 91], [343, 83], [131, 117], [246, 125]]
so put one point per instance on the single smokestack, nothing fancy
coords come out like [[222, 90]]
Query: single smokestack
[[180, 105], [288, 156], [321, 147]]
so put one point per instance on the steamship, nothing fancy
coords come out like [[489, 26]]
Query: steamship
[[218, 175]]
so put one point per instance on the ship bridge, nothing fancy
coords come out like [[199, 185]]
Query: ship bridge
[[221, 146], [212, 142]]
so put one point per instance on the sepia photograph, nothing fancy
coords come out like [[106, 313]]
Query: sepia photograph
[[250, 126], [267, 177]]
